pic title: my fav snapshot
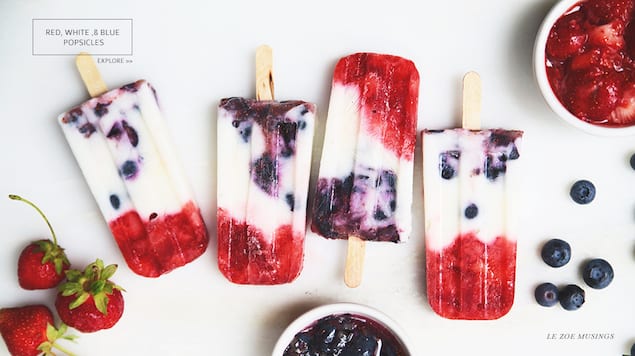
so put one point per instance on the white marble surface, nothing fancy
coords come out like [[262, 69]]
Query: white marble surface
[[195, 53]]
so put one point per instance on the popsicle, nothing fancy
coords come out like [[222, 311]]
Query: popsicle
[[471, 182], [364, 188], [122, 146], [264, 160]]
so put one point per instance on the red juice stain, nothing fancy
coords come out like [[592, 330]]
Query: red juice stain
[[470, 279], [244, 257], [159, 244], [389, 91]]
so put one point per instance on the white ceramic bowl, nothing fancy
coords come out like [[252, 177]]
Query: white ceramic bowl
[[320, 312], [543, 83]]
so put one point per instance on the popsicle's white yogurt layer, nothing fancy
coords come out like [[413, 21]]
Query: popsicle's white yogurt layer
[[123, 148]]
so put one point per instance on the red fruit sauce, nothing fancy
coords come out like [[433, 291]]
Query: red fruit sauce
[[590, 62], [389, 92], [470, 279], [244, 256], [162, 243]]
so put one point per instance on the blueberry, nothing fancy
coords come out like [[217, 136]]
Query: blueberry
[[632, 346], [598, 273], [449, 164], [471, 211], [546, 294], [133, 137], [87, 129], [556, 253], [494, 168], [633, 161], [571, 297], [101, 109], [582, 192], [115, 131], [114, 201], [129, 169], [264, 172], [290, 199]]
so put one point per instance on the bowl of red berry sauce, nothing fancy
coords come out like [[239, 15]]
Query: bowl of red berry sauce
[[342, 329], [584, 61]]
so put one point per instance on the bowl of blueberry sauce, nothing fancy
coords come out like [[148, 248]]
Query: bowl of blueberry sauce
[[342, 329], [584, 64]]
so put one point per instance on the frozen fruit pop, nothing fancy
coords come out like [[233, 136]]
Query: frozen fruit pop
[[364, 188], [123, 148], [264, 161], [470, 183]]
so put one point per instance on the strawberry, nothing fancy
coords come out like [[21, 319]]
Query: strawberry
[[624, 113], [567, 38], [604, 11], [88, 300], [29, 331], [609, 35], [42, 263]]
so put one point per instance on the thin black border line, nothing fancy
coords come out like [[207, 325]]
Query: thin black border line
[[80, 19]]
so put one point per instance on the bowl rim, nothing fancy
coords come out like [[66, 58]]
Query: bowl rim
[[540, 74], [312, 315]]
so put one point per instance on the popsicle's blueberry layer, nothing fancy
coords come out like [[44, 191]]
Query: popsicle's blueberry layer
[[341, 206], [345, 334], [590, 61], [264, 150], [279, 134], [499, 146], [122, 146]]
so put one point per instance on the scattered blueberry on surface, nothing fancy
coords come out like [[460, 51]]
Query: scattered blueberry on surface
[[571, 297], [598, 273], [546, 294], [582, 192], [633, 161], [129, 169], [556, 252]]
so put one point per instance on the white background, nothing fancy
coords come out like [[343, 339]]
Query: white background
[[195, 53]]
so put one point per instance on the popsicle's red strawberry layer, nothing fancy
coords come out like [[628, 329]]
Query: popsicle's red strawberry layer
[[123, 149], [590, 61], [245, 256], [472, 279], [154, 246]]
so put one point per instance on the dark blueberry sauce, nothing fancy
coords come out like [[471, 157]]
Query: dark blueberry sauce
[[345, 335]]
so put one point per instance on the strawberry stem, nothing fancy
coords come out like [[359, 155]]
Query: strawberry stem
[[19, 198]]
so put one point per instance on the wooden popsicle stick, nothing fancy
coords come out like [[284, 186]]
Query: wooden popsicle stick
[[354, 261], [264, 73], [472, 101], [90, 74]]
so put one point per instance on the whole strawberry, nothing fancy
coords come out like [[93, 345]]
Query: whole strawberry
[[42, 263], [29, 331], [88, 300]]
